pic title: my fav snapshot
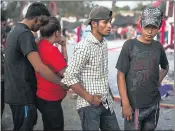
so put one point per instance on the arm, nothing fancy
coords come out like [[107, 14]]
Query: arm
[[63, 43], [72, 74], [122, 88], [42, 69], [164, 65], [163, 73], [28, 47], [64, 52], [123, 68], [55, 60]]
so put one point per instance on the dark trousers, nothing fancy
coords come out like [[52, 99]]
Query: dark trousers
[[98, 117], [24, 117], [2, 97], [144, 119], [52, 114]]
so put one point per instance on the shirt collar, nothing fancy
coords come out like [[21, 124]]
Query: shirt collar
[[94, 40]]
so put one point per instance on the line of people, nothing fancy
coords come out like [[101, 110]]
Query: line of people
[[37, 75]]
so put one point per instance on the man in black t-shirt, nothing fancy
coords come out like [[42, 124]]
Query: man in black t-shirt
[[138, 74], [21, 59]]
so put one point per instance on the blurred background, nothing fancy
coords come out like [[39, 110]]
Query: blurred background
[[125, 22], [125, 25]]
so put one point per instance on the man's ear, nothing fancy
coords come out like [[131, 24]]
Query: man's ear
[[93, 23], [36, 20]]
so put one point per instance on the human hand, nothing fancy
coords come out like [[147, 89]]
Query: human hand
[[95, 100], [127, 112], [62, 41], [64, 86]]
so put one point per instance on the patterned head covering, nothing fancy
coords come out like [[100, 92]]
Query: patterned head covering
[[152, 16]]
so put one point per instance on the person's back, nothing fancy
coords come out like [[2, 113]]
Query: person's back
[[19, 77], [52, 57], [50, 95]]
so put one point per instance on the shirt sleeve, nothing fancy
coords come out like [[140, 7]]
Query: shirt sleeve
[[27, 43], [72, 73], [55, 60], [123, 60], [163, 59]]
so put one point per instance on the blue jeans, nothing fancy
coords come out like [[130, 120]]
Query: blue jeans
[[98, 117], [144, 119]]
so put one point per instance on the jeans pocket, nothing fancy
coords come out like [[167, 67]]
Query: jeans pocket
[[81, 113]]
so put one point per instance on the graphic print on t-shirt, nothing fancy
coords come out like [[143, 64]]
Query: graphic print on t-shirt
[[142, 67]]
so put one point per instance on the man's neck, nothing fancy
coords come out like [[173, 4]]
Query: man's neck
[[97, 36], [141, 39], [27, 23]]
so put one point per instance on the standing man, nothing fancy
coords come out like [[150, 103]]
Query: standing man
[[87, 75], [21, 59], [139, 76]]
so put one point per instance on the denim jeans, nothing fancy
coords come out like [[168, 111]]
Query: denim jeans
[[144, 119], [98, 117]]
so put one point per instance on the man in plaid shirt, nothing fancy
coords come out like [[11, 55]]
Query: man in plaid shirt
[[87, 74]]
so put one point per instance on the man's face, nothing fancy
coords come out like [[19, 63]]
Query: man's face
[[38, 22], [149, 32], [103, 27], [36, 25]]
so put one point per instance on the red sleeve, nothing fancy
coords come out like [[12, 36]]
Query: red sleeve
[[55, 60]]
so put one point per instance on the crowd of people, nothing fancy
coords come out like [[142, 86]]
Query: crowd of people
[[37, 76]]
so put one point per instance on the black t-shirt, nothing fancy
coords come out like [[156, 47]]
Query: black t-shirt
[[140, 64], [19, 77]]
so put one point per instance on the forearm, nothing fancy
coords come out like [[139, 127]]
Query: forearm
[[122, 89], [163, 73], [64, 52], [49, 75], [78, 89]]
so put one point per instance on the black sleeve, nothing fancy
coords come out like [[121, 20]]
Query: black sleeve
[[163, 59], [27, 43], [123, 60]]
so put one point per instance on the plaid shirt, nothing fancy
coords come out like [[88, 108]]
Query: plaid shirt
[[89, 67]]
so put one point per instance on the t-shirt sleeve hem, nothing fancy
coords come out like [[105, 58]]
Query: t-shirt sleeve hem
[[33, 50], [119, 69]]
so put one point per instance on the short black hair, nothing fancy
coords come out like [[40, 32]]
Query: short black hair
[[52, 26], [37, 9]]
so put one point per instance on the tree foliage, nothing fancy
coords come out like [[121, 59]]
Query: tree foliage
[[13, 9]]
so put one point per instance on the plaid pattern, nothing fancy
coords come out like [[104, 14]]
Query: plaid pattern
[[89, 66]]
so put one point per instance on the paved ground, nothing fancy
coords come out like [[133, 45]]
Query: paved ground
[[72, 121]]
